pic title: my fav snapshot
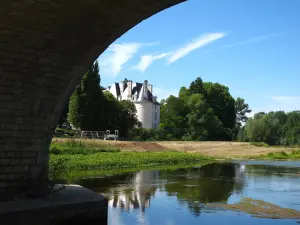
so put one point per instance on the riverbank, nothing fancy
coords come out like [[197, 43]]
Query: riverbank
[[74, 156], [216, 149], [94, 157]]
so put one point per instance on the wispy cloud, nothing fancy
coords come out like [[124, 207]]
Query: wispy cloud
[[112, 61], [255, 39], [147, 60], [198, 43]]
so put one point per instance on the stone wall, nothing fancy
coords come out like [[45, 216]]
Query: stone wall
[[45, 48]]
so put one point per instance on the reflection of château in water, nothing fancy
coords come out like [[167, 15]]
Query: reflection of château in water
[[138, 197]]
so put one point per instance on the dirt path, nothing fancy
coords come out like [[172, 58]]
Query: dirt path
[[210, 148]]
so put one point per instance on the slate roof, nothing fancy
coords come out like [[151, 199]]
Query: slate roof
[[136, 90]]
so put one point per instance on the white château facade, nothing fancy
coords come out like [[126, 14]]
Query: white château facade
[[141, 94]]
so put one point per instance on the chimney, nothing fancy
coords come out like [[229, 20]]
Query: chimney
[[150, 87], [129, 87], [122, 85], [145, 87], [154, 98]]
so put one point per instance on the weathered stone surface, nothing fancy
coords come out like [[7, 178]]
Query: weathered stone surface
[[45, 49]]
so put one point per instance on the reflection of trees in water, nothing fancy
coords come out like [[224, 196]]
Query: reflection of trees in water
[[210, 183], [272, 171], [193, 187]]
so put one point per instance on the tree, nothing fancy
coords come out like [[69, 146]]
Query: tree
[[173, 116], [196, 87], [219, 99], [197, 107], [128, 117], [241, 110], [291, 129], [84, 108]]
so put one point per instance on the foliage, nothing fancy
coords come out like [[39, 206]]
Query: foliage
[[72, 147], [79, 157], [84, 108], [204, 111], [92, 109], [241, 109], [273, 128], [284, 155]]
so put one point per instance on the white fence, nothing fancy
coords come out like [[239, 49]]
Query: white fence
[[104, 135]]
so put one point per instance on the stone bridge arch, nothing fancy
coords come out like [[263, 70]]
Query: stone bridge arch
[[45, 49]]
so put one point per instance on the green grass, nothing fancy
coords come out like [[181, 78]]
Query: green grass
[[74, 157], [295, 154], [72, 147]]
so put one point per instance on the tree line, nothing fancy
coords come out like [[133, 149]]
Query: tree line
[[273, 128], [202, 111]]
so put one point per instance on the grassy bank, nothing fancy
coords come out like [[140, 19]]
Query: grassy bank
[[76, 156], [217, 149], [293, 155]]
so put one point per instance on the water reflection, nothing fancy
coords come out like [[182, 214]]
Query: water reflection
[[194, 186], [143, 188], [179, 196]]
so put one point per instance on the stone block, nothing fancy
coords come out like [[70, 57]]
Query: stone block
[[29, 161], [6, 119], [2, 125], [8, 169], [4, 162], [23, 134], [2, 154], [21, 169], [2, 183], [11, 154], [16, 162], [3, 177], [32, 154], [46, 61], [6, 98], [11, 126], [16, 105]]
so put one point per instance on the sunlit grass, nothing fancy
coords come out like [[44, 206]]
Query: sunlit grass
[[73, 156]]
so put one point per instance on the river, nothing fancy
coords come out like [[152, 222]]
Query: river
[[204, 195]]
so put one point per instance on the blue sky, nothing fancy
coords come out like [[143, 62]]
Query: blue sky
[[251, 46]]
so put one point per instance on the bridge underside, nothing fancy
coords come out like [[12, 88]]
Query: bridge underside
[[45, 49]]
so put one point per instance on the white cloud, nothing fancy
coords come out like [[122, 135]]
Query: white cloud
[[198, 43], [147, 60], [163, 93], [255, 39], [111, 62]]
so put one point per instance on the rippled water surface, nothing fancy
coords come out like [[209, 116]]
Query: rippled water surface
[[181, 196]]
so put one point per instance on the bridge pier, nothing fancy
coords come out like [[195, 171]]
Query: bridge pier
[[71, 205], [46, 47]]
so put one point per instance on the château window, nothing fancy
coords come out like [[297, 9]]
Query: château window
[[155, 116]]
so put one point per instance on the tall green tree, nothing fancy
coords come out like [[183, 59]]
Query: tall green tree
[[128, 117], [173, 116], [241, 110], [84, 107], [220, 100]]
